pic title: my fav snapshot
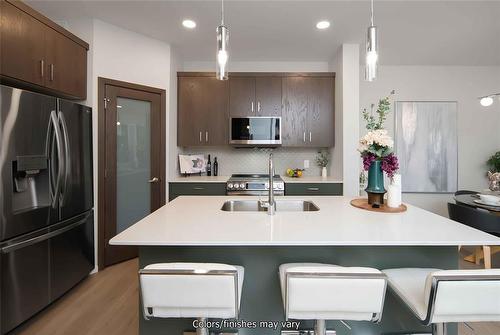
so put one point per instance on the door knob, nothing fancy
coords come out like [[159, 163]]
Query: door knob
[[154, 180]]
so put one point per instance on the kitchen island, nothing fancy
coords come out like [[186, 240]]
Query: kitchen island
[[195, 229]]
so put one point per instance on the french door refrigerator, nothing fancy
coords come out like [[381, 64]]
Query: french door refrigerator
[[46, 201]]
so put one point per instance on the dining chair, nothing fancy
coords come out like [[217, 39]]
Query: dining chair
[[481, 220]]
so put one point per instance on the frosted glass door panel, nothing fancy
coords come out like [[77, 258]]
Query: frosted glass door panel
[[133, 161]]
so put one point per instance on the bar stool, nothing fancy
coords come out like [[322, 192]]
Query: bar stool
[[320, 292], [191, 290], [437, 296]]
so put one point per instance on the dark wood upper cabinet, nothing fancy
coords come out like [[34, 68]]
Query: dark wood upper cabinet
[[37, 54], [268, 96], [242, 96], [305, 102], [308, 111], [22, 49], [254, 96], [202, 117], [66, 65]]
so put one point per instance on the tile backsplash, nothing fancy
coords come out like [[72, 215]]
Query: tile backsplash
[[252, 160]]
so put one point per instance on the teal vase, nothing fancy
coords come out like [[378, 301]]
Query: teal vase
[[375, 188]]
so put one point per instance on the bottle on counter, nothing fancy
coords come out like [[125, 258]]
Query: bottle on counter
[[216, 167], [209, 167]]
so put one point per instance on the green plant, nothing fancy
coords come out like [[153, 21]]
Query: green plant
[[384, 106], [323, 158], [494, 162]]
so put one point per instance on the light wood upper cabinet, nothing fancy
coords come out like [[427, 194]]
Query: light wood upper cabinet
[[308, 111], [254, 96], [38, 54], [202, 117]]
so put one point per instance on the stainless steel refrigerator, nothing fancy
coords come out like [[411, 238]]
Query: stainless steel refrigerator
[[46, 201]]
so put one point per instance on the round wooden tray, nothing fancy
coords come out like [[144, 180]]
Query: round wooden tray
[[363, 204]]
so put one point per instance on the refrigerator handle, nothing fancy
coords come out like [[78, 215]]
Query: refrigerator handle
[[40, 238], [67, 159], [53, 126]]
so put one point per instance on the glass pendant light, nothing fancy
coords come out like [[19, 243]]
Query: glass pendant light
[[371, 64], [222, 47]]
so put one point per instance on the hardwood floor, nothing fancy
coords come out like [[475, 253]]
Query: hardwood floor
[[106, 304]]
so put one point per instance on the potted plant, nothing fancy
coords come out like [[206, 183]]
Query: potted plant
[[494, 171], [376, 149], [322, 161]]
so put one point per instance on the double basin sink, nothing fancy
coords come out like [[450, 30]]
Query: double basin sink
[[281, 206]]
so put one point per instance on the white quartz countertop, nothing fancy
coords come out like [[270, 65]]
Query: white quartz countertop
[[199, 221], [223, 179], [311, 179], [200, 179]]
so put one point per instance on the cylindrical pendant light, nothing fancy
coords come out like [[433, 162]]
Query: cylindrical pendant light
[[371, 65], [222, 48]]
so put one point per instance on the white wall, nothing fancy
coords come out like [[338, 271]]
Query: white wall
[[478, 127], [344, 154]]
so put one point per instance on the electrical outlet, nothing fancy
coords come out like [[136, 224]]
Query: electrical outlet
[[306, 164]]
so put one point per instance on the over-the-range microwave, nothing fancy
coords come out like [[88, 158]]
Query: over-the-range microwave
[[255, 131]]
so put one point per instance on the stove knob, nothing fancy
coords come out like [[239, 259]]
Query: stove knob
[[229, 185], [242, 185]]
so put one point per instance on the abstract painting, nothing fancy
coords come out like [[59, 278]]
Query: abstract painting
[[426, 146]]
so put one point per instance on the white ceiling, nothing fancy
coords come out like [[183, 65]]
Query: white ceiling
[[410, 32]]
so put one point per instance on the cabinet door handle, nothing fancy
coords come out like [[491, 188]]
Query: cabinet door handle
[[200, 136], [310, 136], [258, 106], [42, 66], [206, 136], [51, 72], [313, 188], [154, 180], [198, 188], [304, 137], [252, 106]]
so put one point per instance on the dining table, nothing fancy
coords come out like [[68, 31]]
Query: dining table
[[471, 200]]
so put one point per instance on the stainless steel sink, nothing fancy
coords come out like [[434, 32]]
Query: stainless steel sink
[[281, 206]]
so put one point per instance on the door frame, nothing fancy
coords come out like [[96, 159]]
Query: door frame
[[101, 154]]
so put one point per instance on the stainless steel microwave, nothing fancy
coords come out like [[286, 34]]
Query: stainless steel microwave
[[255, 131]]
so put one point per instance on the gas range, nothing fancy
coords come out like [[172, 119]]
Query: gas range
[[253, 184]]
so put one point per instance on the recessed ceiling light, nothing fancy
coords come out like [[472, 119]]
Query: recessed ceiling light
[[190, 24], [486, 101], [323, 24]]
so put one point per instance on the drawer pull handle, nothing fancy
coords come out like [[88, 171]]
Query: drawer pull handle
[[313, 188], [197, 188]]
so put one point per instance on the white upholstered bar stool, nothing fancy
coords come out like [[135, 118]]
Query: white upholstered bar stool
[[437, 296], [320, 292], [191, 290]]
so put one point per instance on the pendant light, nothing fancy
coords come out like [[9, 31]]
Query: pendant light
[[371, 50], [222, 47]]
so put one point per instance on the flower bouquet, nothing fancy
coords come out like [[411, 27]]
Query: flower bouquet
[[376, 149]]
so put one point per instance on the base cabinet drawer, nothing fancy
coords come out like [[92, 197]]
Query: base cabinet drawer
[[313, 189], [177, 189]]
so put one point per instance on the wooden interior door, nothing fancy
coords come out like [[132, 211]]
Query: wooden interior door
[[133, 162]]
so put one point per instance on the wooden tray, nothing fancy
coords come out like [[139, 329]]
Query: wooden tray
[[363, 204]]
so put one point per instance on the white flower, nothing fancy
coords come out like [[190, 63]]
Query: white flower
[[379, 137]]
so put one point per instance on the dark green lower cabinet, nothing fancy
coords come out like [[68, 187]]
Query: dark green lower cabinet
[[177, 189], [313, 189]]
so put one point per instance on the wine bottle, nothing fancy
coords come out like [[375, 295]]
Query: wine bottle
[[216, 167], [209, 167]]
